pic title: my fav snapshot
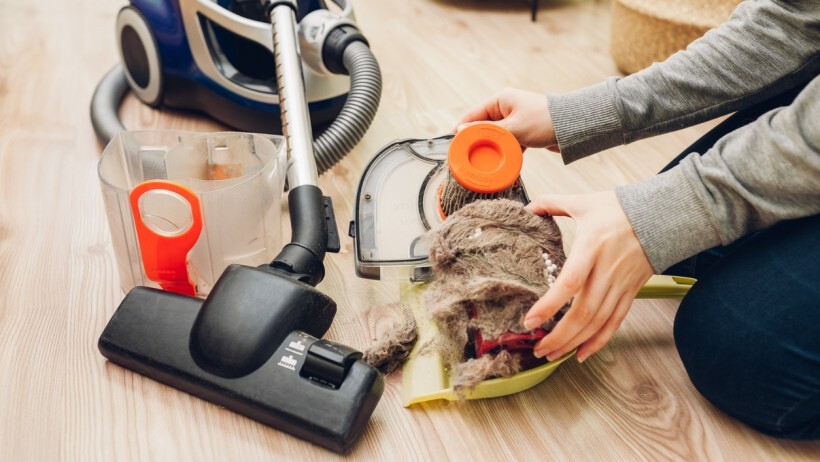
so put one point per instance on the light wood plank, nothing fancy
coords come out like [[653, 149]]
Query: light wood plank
[[59, 399]]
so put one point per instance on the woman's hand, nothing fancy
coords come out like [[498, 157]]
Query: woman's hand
[[604, 272], [525, 114]]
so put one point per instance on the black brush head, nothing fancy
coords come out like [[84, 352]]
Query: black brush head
[[314, 389], [249, 313]]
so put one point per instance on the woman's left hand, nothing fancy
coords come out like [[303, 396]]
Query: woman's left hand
[[604, 271]]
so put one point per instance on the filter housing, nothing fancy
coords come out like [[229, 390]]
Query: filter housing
[[397, 206]]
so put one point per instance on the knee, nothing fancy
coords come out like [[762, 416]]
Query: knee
[[702, 345], [747, 332], [734, 369]]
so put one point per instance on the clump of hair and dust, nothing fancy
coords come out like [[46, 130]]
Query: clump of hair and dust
[[390, 351], [492, 260]]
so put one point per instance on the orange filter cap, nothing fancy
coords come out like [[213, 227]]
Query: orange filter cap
[[485, 158]]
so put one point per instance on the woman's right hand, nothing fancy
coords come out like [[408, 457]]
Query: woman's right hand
[[525, 114]]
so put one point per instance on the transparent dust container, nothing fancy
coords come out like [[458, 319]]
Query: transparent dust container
[[186, 205]]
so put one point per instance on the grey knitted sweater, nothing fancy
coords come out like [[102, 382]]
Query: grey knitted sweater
[[763, 173]]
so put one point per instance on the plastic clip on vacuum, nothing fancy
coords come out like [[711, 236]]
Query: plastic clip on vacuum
[[253, 344]]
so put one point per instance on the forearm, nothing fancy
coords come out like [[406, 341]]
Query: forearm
[[765, 48], [763, 173]]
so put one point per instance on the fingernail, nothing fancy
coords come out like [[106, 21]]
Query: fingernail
[[582, 357], [539, 353], [533, 322], [554, 356]]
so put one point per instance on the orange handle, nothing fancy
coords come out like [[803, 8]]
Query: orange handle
[[165, 256]]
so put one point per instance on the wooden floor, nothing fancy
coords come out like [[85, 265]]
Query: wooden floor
[[59, 399]]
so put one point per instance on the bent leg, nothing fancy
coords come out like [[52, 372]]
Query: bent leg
[[748, 332]]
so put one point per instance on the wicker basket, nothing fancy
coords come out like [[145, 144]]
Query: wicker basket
[[647, 31]]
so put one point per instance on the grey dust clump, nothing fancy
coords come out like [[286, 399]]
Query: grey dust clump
[[390, 351], [491, 261]]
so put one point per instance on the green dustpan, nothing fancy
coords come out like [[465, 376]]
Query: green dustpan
[[424, 377]]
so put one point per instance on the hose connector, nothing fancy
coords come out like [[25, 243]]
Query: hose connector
[[314, 30], [336, 43]]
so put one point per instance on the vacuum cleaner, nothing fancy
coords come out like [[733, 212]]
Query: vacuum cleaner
[[216, 57], [254, 344]]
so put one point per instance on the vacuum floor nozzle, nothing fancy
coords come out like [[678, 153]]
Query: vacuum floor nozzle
[[314, 389]]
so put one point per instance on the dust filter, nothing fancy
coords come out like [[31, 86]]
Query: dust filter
[[484, 161]]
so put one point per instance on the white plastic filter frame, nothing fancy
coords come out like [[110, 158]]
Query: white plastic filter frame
[[241, 213], [397, 207]]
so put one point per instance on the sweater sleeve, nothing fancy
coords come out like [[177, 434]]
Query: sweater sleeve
[[765, 48], [765, 172]]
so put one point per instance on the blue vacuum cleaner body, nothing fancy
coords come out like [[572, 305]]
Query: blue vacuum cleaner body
[[213, 56]]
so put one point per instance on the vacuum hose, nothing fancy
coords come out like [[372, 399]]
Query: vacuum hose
[[106, 103], [352, 122]]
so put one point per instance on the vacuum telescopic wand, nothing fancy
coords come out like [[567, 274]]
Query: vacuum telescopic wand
[[295, 116], [253, 345], [303, 256]]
